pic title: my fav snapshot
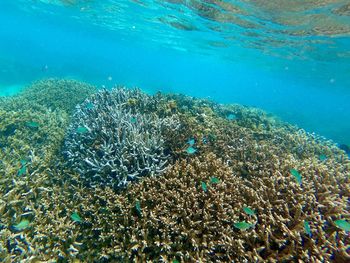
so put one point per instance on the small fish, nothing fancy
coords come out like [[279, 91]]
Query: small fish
[[342, 224], [243, 225], [323, 157], [214, 180], [204, 140], [22, 170], [204, 186], [307, 228], [82, 130], [76, 217], [249, 211], [231, 117], [191, 141], [90, 106], [32, 124], [133, 119], [21, 225], [138, 207], [191, 150], [296, 175], [44, 68]]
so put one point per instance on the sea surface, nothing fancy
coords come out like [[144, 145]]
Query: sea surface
[[174, 131]]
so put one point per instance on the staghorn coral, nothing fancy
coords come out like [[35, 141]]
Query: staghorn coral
[[178, 219], [55, 94], [111, 141], [29, 135], [173, 216], [26, 153], [32, 124], [30, 139]]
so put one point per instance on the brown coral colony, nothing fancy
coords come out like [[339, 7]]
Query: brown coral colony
[[123, 176]]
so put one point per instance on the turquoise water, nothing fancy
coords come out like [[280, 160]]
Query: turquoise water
[[231, 51], [174, 131]]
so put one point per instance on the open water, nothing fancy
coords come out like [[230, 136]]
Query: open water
[[265, 95]]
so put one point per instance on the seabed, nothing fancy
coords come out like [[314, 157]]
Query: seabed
[[118, 175]]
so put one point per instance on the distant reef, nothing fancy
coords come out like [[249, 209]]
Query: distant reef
[[118, 175]]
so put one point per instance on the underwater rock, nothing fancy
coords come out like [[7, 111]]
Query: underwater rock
[[116, 141]]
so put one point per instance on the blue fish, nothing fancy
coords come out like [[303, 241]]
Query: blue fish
[[191, 141], [90, 106], [342, 224], [22, 171], [133, 119], [214, 180], [191, 150], [32, 124], [204, 186], [21, 225], [296, 175], [82, 130], [243, 225], [76, 217], [249, 211], [307, 228]]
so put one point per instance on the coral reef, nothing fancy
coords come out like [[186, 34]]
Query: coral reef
[[112, 142], [173, 217], [184, 221], [29, 135], [54, 94], [34, 121], [254, 189], [30, 142]]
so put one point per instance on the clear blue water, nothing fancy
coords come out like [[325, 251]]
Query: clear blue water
[[118, 175], [289, 59]]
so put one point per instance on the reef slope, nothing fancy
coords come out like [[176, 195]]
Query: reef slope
[[238, 184]]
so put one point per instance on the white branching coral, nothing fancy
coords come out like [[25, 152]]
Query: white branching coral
[[114, 140]]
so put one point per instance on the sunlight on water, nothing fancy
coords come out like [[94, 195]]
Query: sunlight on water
[[174, 131], [309, 29]]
